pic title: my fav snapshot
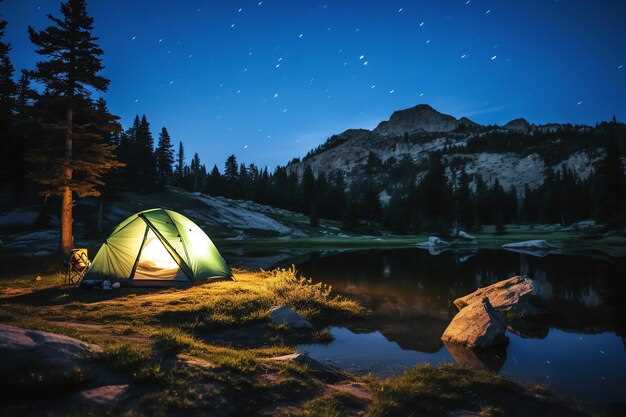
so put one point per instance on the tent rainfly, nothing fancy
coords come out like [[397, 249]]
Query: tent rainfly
[[157, 247]]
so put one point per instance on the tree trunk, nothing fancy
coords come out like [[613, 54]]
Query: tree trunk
[[67, 237]]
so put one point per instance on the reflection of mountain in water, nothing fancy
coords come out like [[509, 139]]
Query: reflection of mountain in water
[[410, 292]]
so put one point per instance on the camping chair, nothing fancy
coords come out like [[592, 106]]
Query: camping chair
[[77, 265]]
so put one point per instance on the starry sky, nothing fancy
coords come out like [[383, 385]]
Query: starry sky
[[268, 80]]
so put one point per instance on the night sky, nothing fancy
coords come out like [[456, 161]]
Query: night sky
[[268, 80]]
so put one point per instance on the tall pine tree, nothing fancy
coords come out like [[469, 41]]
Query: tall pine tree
[[75, 156], [8, 91], [164, 156]]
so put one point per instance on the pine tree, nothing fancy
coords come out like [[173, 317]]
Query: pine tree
[[214, 183], [74, 157], [147, 175], [308, 190], [231, 177], [612, 183], [164, 156], [180, 164], [8, 91]]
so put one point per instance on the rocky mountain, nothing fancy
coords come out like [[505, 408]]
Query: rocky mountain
[[517, 154]]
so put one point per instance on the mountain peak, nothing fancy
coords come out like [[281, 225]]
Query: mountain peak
[[420, 118]]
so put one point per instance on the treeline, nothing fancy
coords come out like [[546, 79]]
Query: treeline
[[422, 198]]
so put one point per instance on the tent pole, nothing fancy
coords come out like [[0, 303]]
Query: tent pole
[[143, 242]]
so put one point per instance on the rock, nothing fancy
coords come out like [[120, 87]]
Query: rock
[[420, 118], [283, 315], [531, 247], [325, 372], [582, 225], [433, 242], [516, 294], [476, 326], [518, 125], [47, 360], [529, 244], [107, 395], [464, 235]]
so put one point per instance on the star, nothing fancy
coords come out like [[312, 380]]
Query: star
[[468, 2], [133, 38], [620, 67], [365, 63], [421, 94], [245, 146], [260, 3], [136, 100], [400, 10], [362, 57], [488, 11], [428, 42], [171, 82], [284, 110], [392, 91], [277, 66], [275, 95], [463, 56], [579, 103], [373, 86], [232, 26], [493, 58], [300, 36], [160, 40], [239, 10], [421, 24]]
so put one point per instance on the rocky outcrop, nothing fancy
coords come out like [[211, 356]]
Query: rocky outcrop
[[516, 295], [531, 247], [480, 322], [418, 131], [286, 316], [23, 347], [518, 125], [476, 326], [35, 362], [421, 118]]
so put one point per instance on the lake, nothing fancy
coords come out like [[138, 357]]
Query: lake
[[579, 352]]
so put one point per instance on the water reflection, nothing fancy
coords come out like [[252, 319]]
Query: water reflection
[[579, 351]]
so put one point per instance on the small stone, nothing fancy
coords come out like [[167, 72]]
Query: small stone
[[283, 315]]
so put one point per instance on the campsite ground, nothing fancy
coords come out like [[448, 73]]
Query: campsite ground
[[207, 349]]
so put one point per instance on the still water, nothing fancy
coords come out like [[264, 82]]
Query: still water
[[580, 351]]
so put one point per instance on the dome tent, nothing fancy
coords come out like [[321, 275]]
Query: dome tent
[[156, 247]]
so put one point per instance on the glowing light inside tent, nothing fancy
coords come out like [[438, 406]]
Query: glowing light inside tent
[[154, 252]]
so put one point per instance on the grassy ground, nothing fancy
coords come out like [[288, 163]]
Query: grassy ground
[[207, 349]]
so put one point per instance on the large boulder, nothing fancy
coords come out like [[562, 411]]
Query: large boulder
[[516, 295], [286, 316], [476, 326], [35, 360]]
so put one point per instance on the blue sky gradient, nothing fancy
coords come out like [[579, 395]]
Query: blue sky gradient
[[269, 80]]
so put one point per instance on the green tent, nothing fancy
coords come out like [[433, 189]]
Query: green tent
[[157, 247]]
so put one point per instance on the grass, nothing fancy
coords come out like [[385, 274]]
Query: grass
[[180, 351], [435, 391]]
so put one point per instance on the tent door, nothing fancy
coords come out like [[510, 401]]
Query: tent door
[[156, 263]]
